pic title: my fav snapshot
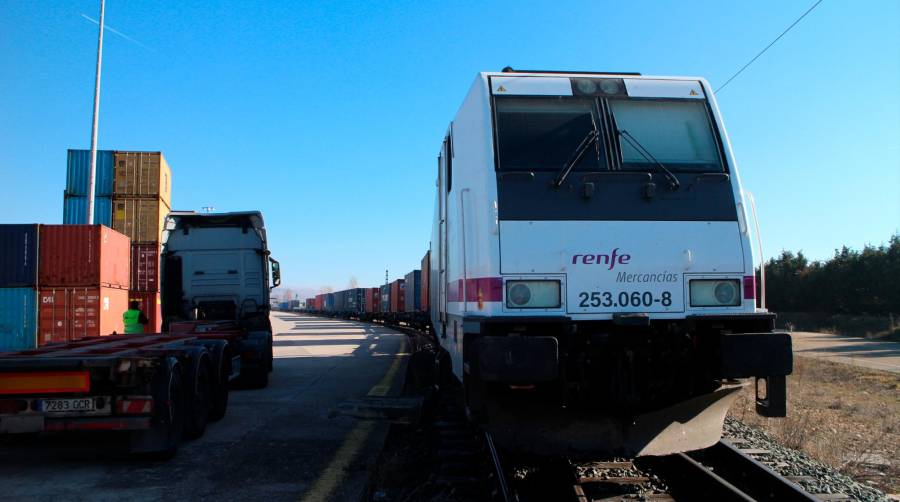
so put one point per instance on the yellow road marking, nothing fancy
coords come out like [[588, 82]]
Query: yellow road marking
[[387, 381], [333, 474]]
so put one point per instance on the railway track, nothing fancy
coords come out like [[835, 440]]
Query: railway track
[[723, 472]]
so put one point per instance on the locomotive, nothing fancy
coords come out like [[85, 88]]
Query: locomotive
[[591, 274]]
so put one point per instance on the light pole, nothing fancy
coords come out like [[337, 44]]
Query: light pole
[[92, 178]]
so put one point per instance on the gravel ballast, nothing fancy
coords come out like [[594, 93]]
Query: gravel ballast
[[790, 462]]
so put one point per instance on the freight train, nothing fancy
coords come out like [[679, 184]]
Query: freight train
[[591, 275]]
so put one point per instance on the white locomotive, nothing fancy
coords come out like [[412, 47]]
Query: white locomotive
[[592, 269]]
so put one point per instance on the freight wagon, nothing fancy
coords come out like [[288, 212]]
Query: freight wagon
[[157, 388]]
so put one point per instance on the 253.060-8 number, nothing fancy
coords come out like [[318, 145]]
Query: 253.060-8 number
[[624, 299]]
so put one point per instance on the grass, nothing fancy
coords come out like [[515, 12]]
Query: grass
[[842, 415]]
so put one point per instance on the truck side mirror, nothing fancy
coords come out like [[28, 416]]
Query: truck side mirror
[[276, 273]]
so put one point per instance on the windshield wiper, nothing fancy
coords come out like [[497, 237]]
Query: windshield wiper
[[673, 181], [593, 136]]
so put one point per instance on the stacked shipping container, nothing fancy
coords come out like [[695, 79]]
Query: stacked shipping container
[[133, 195], [78, 172], [18, 286], [142, 197], [83, 279]]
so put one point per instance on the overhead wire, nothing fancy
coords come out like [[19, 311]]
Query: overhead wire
[[783, 33]]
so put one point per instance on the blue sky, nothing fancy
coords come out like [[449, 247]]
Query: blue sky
[[328, 116]]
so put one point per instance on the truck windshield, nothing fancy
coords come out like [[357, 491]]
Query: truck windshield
[[540, 134], [676, 133]]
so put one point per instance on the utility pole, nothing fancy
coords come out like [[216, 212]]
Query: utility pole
[[93, 177]]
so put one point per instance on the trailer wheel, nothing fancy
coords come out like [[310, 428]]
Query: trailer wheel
[[161, 441], [198, 395], [220, 388]]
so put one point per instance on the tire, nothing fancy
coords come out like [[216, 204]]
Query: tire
[[271, 359], [258, 378], [219, 401], [199, 385], [161, 441]]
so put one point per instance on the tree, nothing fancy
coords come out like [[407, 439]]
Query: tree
[[851, 282]]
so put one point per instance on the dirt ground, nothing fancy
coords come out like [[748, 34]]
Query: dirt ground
[[845, 416]]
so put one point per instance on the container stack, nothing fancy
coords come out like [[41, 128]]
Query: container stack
[[78, 173], [83, 280], [142, 197], [18, 286]]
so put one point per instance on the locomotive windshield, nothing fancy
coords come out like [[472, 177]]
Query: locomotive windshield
[[676, 133], [540, 134]]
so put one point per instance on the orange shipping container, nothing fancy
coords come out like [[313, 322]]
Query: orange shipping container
[[141, 220], [149, 303], [426, 280], [83, 255], [67, 314], [398, 296], [143, 174]]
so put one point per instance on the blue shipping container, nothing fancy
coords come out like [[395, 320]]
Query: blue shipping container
[[75, 210], [78, 171], [18, 319], [413, 291], [18, 256]]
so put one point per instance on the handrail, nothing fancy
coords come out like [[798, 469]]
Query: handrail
[[465, 270], [762, 259]]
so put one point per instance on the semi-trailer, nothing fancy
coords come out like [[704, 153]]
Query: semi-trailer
[[157, 387]]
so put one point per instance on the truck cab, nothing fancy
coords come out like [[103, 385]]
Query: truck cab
[[216, 271]]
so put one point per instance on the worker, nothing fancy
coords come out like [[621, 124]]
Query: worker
[[134, 319]]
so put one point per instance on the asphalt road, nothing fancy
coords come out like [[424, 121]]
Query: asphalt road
[[289, 441], [874, 354]]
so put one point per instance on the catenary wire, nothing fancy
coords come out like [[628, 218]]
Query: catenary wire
[[783, 33]]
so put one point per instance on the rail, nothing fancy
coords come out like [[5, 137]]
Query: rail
[[721, 472]]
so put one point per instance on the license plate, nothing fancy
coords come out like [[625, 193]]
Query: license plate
[[67, 405]]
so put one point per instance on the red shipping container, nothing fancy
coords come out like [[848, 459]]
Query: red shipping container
[[372, 299], [398, 295], [67, 314], [320, 302], [426, 275], [145, 267], [151, 306], [84, 255]]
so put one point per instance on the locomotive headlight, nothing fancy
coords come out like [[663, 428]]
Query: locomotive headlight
[[533, 294], [715, 293]]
